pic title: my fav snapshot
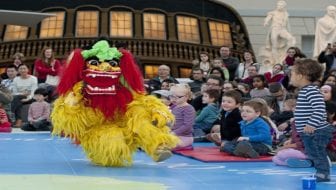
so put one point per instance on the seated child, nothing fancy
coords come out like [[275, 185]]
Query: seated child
[[184, 115], [39, 113], [5, 125], [208, 115], [255, 139], [331, 113], [163, 95], [226, 127], [286, 114], [292, 152]]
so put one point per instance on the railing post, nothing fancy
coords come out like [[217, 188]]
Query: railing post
[[70, 25]]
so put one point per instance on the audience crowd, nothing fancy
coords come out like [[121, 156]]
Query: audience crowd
[[241, 110]]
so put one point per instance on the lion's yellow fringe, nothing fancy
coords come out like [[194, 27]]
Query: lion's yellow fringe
[[112, 143]]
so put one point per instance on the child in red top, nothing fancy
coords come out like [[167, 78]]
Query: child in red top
[[5, 99], [5, 125]]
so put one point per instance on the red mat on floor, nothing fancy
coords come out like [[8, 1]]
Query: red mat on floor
[[212, 154]]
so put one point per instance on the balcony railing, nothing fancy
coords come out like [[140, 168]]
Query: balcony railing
[[142, 48]]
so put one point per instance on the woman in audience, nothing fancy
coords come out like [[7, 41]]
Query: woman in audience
[[241, 72], [330, 79], [46, 65], [218, 72], [276, 75], [293, 53], [329, 92]]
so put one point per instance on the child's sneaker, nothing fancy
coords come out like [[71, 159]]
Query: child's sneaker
[[245, 149], [322, 177], [298, 163], [215, 138]]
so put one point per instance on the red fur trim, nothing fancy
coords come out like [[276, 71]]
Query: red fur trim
[[72, 73], [131, 72], [109, 104]]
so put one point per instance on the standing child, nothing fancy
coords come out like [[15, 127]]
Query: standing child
[[39, 113], [184, 115], [311, 117], [208, 115], [255, 136]]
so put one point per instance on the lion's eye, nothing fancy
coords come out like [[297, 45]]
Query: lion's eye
[[113, 63], [94, 62]]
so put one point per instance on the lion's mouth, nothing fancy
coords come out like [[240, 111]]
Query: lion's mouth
[[100, 82], [97, 90]]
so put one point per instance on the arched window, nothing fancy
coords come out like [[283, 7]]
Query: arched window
[[53, 27], [87, 23], [220, 33], [154, 26], [121, 24], [15, 32], [188, 29]]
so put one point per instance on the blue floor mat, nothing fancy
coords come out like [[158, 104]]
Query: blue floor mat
[[55, 163]]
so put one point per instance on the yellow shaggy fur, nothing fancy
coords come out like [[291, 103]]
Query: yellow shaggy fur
[[112, 142]]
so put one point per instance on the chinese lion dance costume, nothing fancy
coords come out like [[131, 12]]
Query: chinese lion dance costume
[[103, 105]]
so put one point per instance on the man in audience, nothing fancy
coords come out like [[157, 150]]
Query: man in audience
[[163, 73], [328, 56], [198, 80], [11, 72], [279, 94], [252, 71], [231, 63]]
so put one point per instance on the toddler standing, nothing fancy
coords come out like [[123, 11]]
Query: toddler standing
[[311, 117]]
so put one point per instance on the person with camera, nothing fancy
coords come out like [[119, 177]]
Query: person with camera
[[327, 56]]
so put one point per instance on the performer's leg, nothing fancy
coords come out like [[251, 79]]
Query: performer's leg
[[107, 146]]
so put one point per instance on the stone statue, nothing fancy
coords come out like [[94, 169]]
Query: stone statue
[[278, 38], [325, 30]]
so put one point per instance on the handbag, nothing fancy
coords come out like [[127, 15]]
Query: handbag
[[52, 80]]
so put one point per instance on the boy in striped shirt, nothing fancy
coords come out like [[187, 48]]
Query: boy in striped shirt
[[310, 116]]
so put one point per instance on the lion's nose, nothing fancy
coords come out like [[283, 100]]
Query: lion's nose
[[104, 66]]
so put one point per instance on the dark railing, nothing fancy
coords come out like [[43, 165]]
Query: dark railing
[[143, 48]]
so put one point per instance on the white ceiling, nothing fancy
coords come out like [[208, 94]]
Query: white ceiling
[[22, 18]]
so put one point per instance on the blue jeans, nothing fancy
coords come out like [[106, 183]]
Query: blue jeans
[[201, 130], [315, 147], [261, 148]]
